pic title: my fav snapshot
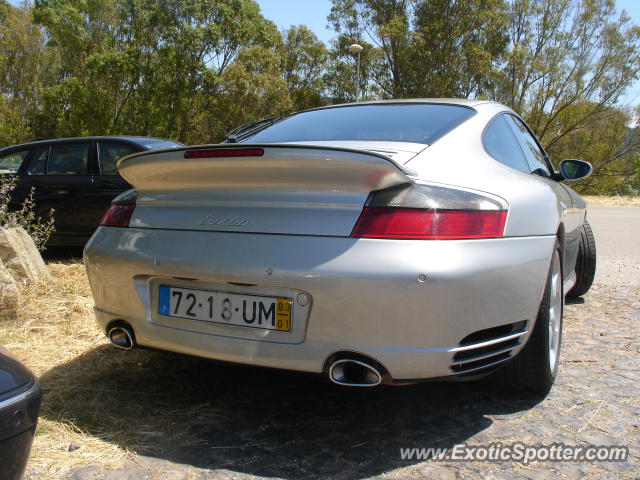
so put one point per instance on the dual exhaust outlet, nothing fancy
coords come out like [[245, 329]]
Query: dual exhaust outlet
[[347, 372]]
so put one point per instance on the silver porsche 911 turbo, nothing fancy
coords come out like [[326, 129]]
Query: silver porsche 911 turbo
[[380, 242]]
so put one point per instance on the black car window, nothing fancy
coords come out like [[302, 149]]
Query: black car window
[[532, 151], [68, 159], [416, 123], [110, 152], [11, 162], [158, 144], [39, 162], [500, 142]]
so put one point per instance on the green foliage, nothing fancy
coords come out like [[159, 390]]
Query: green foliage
[[607, 143], [191, 70], [565, 53], [143, 67], [438, 48], [304, 61], [250, 88], [25, 65], [39, 229]]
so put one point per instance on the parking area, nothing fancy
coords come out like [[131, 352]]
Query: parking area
[[151, 415]]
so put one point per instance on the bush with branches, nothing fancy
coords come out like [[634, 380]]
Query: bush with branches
[[38, 228]]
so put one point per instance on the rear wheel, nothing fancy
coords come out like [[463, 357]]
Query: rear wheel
[[585, 263], [535, 367]]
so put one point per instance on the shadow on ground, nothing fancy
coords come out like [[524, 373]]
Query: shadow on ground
[[62, 254], [259, 421], [574, 301]]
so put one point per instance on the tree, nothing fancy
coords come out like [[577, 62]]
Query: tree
[[341, 76], [25, 65], [251, 88], [607, 143], [426, 47], [140, 66], [457, 47], [564, 53], [304, 60]]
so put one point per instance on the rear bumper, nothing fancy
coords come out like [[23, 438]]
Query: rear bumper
[[18, 419], [405, 303]]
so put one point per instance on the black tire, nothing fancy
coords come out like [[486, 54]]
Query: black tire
[[531, 369], [585, 263]]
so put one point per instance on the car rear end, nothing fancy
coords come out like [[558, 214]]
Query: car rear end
[[305, 257], [19, 407]]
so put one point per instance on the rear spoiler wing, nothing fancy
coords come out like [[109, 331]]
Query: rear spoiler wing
[[262, 166]]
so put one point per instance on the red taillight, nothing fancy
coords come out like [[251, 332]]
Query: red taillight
[[224, 152], [118, 215], [413, 223]]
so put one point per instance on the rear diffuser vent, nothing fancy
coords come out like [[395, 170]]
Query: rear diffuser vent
[[485, 349]]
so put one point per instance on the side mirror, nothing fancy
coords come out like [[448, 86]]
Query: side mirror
[[574, 169]]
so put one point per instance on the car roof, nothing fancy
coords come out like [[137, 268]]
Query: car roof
[[444, 101], [137, 140], [460, 102]]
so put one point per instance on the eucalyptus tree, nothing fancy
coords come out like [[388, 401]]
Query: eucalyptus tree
[[427, 47], [143, 66], [563, 54], [304, 60]]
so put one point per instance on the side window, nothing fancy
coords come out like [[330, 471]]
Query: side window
[[39, 162], [109, 153], [68, 159], [501, 144], [11, 162], [531, 149]]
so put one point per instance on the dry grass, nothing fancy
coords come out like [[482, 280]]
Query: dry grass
[[614, 201], [109, 403], [55, 325]]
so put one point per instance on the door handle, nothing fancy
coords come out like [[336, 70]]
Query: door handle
[[61, 192]]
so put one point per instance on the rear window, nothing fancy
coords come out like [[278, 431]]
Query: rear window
[[158, 144], [11, 162], [415, 123]]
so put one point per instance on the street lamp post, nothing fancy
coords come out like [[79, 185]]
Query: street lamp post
[[355, 48]]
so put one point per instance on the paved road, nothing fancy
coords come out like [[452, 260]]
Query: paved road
[[617, 232]]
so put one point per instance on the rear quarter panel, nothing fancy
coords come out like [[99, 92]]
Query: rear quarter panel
[[459, 158], [537, 206]]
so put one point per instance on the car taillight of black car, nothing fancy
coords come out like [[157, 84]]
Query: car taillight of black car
[[120, 210]]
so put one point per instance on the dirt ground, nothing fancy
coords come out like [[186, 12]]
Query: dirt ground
[[110, 415], [613, 201]]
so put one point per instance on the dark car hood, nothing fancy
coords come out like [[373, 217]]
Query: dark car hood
[[14, 377]]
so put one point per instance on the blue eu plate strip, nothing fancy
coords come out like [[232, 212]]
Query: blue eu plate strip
[[164, 303]]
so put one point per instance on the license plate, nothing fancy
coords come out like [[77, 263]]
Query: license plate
[[271, 313]]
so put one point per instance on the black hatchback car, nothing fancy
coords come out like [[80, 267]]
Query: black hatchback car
[[77, 177]]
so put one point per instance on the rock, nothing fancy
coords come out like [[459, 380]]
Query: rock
[[21, 257], [90, 472], [73, 446], [9, 293]]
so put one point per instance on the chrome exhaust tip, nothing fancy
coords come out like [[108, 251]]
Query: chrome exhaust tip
[[121, 337], [354, 373]]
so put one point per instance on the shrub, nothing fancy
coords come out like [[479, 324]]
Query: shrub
[[39, 228]]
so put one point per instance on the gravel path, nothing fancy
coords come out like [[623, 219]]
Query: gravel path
[[299, 427], [617, 232], [275, 424]]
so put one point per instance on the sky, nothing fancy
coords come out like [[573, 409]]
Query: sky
[[312, 13]]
